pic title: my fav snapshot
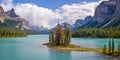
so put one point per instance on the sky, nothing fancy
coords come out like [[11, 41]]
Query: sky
[[52, 4], [47, 13]]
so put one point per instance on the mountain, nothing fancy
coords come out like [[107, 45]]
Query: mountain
[[76, 25], [22, 22], [105, 10], [11, 20], [40, 30], [11, 13], [80, 22], [67, 24], [63, 26], [2, 14], [107, 15], [115, 20]]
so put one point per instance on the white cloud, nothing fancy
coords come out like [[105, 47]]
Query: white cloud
[[7, 4], [71, 13], [41, 16], [78, 11], [36, 15]]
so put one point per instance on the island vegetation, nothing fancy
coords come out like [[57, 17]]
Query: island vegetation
[[60, 37]]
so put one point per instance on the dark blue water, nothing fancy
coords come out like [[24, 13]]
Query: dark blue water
[[31, 48]]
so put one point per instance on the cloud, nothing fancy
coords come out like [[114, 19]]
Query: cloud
[[7, 4], [73, 12], [41, 16], [36, 15]]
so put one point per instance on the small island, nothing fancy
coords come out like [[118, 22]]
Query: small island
[[61, 39]]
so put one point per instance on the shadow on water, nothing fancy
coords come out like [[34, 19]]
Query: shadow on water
[[59, 55]]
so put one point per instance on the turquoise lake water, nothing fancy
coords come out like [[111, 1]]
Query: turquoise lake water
[[31, 48]]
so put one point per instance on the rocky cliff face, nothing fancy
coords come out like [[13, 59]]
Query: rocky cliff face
[[115, 19], [80, 22], [107, 15], [118, 6], [23, 24], [2, 14], [11, 15], [105, 10]]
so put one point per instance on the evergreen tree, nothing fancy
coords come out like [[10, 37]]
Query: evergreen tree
[[109, 46], [119, 47], [59, 35], [104, 49], [50, 37], [67, 35], [99, 33], [52, 33], [57, 38], [113, 45], [12, 33]]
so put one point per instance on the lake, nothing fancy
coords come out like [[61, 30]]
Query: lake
[[31, 48]]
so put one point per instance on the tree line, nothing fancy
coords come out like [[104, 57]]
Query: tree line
[[12, 33], [97, 33], [61, 36]]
